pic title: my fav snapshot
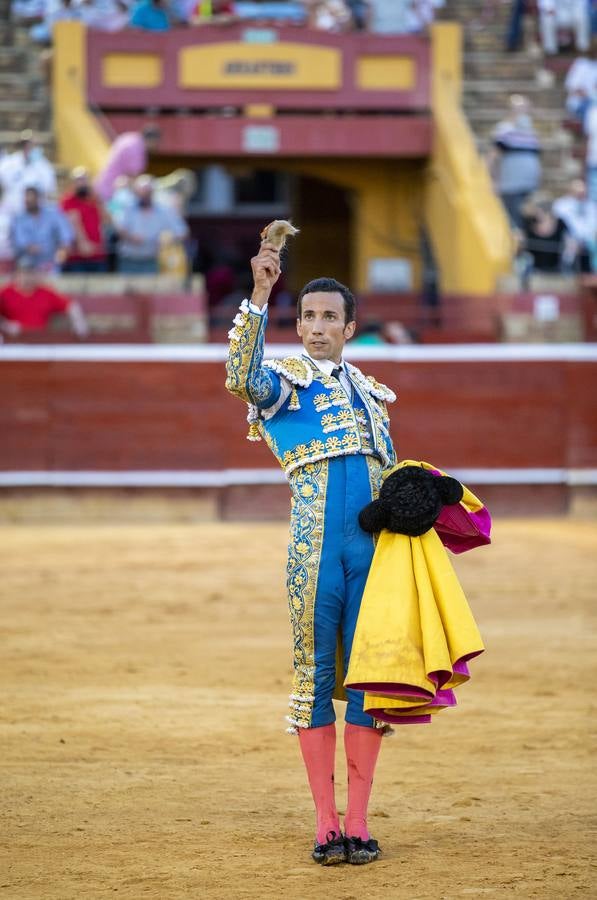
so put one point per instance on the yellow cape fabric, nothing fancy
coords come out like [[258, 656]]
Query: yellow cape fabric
[[415, 629]]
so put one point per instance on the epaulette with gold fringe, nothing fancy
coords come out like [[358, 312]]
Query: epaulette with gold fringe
[[295, 370]]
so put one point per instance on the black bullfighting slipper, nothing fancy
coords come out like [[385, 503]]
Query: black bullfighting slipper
[[332, 852], [360, 852]]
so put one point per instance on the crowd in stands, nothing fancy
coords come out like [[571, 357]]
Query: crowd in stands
[[128, 222], [125, 221], [553, 235], [125, 214], [377, 16]]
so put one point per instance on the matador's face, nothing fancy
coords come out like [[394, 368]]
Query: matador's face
[[322, 326]]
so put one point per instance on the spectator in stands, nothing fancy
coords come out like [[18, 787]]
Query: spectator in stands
[[201, 12], [59, 11], [579, 214], [370, 333], [360, 13], [272, 10], [85, 212], [328, 15], [41, 235], [397, 333], [424, 14], [569, 14], [122, 199], [27, 304], [401, 16], [26, 10], [143, 229], [26, 167], [515, 25], [581, 84], [150, 15], [514, 160], [105, 15], [128, 156], [543, 238], [6, 251], [389, 16], [176, 189], [591, 154]]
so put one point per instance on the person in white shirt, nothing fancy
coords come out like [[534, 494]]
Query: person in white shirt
[[401, 16], [556, 14], [581, 84], [27, 167], [56, 11], [105, 15], [579, 214], [590, 127], [144, 228], [328, 15]]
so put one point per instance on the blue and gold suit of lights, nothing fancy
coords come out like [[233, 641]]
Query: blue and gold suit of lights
[[333, 448]]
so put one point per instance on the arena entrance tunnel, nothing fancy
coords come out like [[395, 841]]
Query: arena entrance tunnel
[[350, 216]]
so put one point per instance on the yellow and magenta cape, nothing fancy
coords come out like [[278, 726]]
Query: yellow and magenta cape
[[416, 633]]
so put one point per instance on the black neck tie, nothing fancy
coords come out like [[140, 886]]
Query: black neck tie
[[336, 372]]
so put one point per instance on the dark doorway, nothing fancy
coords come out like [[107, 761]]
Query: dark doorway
[[323, 213]]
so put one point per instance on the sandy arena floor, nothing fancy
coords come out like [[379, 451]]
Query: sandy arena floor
[[145, 673]]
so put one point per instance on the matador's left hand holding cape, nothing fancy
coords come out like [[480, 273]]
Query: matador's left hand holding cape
[[415, 633]]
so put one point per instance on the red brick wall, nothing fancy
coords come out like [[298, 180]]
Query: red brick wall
[[67, 415]]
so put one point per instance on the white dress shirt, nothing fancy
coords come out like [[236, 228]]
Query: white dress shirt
[[18, 172], [579, 217]]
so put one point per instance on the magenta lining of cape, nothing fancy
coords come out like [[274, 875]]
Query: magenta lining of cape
[[460, 530]]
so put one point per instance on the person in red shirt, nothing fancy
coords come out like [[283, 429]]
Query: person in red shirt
[[86, 214], [26, 304]]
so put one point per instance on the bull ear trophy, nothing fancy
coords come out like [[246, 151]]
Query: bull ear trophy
[[276, 233]]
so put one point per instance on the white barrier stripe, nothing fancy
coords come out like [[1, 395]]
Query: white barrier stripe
[[219, 352], [230, 477]]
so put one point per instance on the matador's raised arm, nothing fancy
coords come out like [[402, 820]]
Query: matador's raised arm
[[246, 376]]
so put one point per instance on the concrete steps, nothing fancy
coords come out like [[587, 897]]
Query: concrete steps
[[9, 138], [497, 64], [15, 87], [491, 75], [17, 115], [24, 91], [13, 59]]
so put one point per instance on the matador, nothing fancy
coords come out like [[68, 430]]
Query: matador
[[327, 425]]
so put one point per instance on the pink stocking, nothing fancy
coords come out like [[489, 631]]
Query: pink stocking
[[362, 747], [318, 746]]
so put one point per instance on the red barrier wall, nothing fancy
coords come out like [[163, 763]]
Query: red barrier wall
[[108, 415]]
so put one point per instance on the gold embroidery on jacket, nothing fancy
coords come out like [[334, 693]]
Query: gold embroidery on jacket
[[342, 419]]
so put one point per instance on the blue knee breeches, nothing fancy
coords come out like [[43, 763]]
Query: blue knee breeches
[[329, 556]]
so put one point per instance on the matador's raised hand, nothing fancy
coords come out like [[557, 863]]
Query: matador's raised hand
[[266, 265]]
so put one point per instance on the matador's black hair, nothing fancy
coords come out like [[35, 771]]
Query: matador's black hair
[[329, 286]]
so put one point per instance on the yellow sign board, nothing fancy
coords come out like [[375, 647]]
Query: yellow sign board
[[278, 66], [143, 70], [386, 73]]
